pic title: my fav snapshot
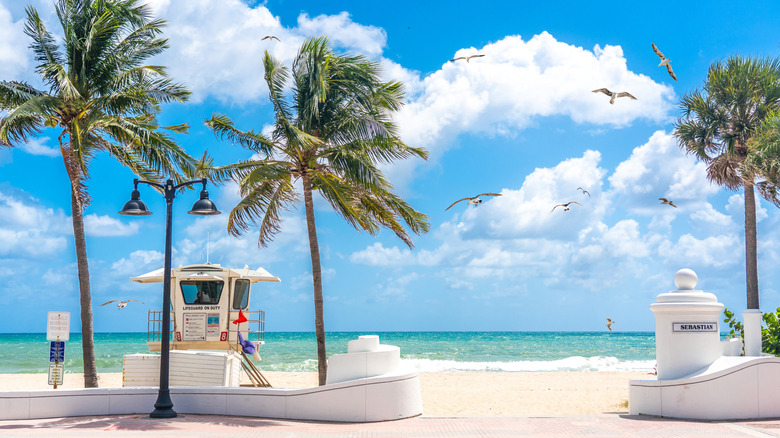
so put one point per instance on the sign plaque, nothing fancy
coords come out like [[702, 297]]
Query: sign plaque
[[695, 327], [58, 326]]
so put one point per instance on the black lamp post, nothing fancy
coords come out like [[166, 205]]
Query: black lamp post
[[163, 408]]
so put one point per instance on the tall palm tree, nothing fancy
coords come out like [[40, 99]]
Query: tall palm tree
[[102, 99], [330, 134], [717, 125]]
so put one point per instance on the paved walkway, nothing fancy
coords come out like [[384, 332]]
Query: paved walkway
[[605, 425]]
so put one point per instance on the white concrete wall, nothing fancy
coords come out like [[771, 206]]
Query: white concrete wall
[[388, 397], [729, 389]]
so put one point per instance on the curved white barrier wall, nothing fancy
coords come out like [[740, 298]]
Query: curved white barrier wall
[[384, 392]]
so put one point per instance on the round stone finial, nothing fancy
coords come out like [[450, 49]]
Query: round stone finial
[[685, 279]]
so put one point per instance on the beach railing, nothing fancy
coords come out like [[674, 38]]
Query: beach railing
[[255, 326]]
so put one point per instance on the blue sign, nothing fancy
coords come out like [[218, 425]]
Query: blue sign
[[57, 351]]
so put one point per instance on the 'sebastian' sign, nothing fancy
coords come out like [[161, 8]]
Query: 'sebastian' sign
[[694, 327]]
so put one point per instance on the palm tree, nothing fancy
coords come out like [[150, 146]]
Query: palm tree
[[717, 126], [103, 99], [330, 135]]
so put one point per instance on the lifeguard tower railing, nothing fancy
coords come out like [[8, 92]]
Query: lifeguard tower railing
[[255, 329]]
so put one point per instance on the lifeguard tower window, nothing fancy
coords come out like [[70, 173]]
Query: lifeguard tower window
[[201, 292], [241, 295]]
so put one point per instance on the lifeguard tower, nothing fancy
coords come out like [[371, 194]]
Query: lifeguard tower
[[211, 317]]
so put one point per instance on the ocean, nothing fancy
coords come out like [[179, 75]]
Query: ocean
[[424, 351]]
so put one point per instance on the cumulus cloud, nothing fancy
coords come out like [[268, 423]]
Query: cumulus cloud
[[519, 80], [14, 61], [37, 146], [713, 251], [27, 229], [527, 211], [107, 226], [736, 206], [137, 263], [217, 50], [656, 169]]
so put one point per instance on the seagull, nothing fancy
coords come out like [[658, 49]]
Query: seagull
[[565, 206], [665, 201], [270, 37], [473, 200], [609, 324], [664, 61], [121, 304], [467, 58], [584, 192], [614, 95]]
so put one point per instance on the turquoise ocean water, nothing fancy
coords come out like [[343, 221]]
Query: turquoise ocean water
[[425, 351]]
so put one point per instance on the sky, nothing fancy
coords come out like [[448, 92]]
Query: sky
[[520, 121]]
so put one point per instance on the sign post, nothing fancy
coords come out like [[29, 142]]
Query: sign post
[[57, 331]]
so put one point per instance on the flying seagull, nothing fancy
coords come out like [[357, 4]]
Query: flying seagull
[[612, 95], [270, 37], [467, 58], [584, 192], [473, 200], [565, 206], [120, 304], [664, 61], [665, 201], [609, 324]]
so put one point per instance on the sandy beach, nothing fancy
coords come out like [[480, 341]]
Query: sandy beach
[[453, 394]]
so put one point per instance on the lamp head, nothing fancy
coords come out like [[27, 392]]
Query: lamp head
[[204, 207], [135, 207]]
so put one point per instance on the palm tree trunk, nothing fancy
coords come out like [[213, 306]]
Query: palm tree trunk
[[316, 273], [751, 252], [87, 341]]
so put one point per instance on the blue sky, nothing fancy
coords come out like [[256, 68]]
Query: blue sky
[[520, 121]]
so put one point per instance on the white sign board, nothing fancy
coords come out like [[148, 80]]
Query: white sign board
[[194, 327], [695, 327], [58, 327], [56, 370]]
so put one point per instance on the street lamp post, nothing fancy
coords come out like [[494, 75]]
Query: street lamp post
[[163, 408]]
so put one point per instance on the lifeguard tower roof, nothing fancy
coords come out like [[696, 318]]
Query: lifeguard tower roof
[[253, 275]]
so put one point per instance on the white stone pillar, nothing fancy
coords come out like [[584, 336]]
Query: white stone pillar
[[687, 328], [751, 319]]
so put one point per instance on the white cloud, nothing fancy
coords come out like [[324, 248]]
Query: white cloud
[[344, 32], [518, 81], [37, 146], [527, 211], [216, 49], [657, 169], [736, 207], [106, 226], [13, 47], [711, 216], [137, 263], [29, 230], [713, 251]]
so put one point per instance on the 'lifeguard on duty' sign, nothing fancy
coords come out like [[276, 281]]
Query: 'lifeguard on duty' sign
[[695, 327]]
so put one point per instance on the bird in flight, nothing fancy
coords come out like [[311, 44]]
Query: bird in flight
[[609, 324], [612, 95], [664, 61], [565, 206], [270, 37], [120, 304], [665, 201], [473, 200], [584, 192], [467, 58]]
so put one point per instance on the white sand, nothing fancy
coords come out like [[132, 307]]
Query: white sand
[[452, 394]]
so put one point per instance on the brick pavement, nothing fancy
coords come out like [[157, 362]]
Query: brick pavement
[[605, 425]]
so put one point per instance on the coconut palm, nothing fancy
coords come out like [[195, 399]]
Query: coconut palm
[[101, 98], [329, 134], [717, 125]]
